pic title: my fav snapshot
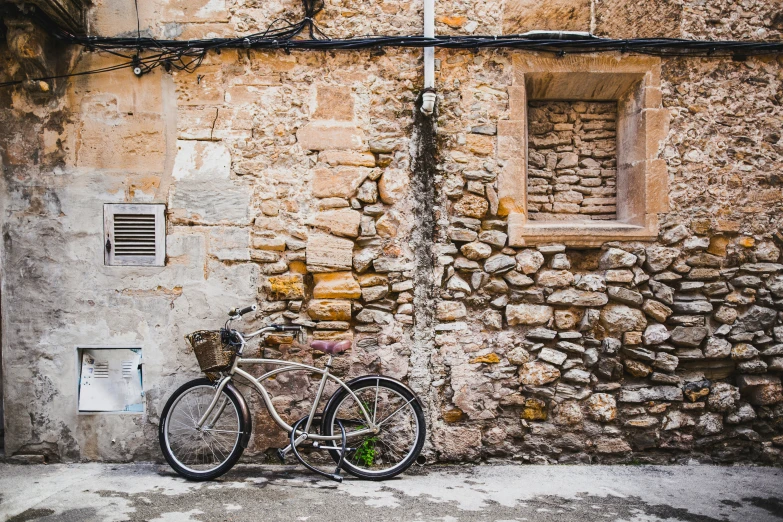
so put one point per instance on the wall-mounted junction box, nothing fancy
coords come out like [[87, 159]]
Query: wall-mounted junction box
[[110, 379]]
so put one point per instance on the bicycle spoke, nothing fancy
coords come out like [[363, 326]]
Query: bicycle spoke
[[202, 450], [391, 446], [375, 407], [395, 412]]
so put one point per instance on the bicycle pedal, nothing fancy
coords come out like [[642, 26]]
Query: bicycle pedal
[[281, 456]]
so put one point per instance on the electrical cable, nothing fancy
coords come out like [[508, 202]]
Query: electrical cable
[[138, 20], [187, 55]]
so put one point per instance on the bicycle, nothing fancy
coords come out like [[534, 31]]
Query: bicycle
[[372, 427]]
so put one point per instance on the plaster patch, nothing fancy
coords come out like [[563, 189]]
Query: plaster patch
[[201, 160]]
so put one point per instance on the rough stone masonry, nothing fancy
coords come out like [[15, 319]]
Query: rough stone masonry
[[295, 181], [572, 161]]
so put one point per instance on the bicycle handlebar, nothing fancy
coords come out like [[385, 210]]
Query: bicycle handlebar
[[242, 311], [286, 327]]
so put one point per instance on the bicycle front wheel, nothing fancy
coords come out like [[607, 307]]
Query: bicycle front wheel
[[207, 452], [395, 409]]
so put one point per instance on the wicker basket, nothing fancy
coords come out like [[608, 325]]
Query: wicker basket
[[212, 354]]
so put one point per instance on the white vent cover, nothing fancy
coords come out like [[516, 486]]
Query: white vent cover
[[134, 235]]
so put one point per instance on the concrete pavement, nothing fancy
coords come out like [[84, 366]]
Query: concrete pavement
[[149, 492]]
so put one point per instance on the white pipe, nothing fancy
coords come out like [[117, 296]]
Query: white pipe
[[428, 98]]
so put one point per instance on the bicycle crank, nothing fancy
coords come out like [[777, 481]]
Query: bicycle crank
[[294, 442]]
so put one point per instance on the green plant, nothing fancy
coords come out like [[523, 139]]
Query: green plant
[[366, 452]]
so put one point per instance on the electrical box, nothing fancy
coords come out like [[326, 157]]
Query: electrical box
[[110, 380]]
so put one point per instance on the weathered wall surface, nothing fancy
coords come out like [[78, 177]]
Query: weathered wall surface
[[291, 181]]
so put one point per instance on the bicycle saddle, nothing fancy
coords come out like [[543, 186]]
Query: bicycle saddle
[[331, 347]]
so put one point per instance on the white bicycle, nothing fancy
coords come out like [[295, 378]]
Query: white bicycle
[[372, 426]]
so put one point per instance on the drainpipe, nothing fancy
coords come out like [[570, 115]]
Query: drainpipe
[[428, 94]]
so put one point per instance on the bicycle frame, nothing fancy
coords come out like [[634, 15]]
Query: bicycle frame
[[285, 366]]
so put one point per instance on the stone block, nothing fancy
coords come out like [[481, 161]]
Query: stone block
[[269, 243], [657, 180], [617, 319], [391, 264], [528, 314], [200, 11], [654, 393], [109, 140], [375, 293], [393, 185], [490, 358], [476, 250], [329, 309], [336, 285], [471, 206], [457, 443], [520, 16], [229, 243], [574, 297], [602, 407], [511, 193], [552, 356], [211, 202], [511, 139], [333, 102], [326, 253], [534, 410], [206, 88], [349, 158], [648, 19], [320, 135], [612, 446], [689, 336], [340, 222], [450, 311], [555, 278], [337, 183], [538, 373], [480, 145], [286, 287]]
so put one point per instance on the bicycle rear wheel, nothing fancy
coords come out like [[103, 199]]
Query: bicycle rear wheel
[[399, 415], [201, 453]]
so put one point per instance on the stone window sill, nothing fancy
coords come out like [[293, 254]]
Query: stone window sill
[[522, 232]]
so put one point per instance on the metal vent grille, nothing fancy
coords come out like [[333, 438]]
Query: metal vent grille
[[134, 235], [101, 370]]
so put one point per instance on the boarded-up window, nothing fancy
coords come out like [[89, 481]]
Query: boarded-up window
[[134, 235]]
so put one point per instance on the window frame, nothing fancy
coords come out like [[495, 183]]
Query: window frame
[[642, 178], [156, 209]]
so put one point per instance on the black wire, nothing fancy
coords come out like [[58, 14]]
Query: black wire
[[138, 21], [187, 55]]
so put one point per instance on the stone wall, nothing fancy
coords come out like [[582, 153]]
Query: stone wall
[[301, 182], [572, 161]]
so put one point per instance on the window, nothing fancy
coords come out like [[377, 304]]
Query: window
[[110, 379], [580, 150], [134, 235]]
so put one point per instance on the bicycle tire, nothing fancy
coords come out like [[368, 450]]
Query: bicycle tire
[[327, 426], [234, 455]]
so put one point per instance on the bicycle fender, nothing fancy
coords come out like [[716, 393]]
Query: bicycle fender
[[373, 378], [244, 411]]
